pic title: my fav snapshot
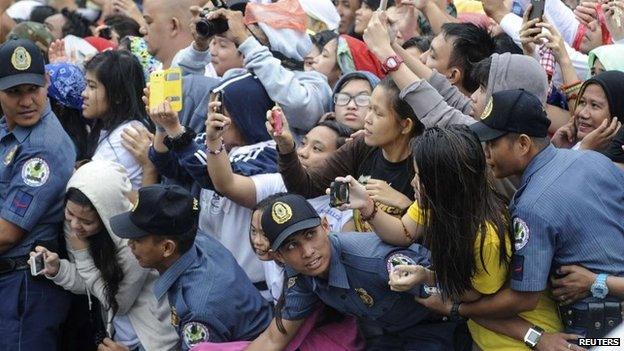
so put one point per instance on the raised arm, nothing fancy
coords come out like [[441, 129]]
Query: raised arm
[[238, 188]]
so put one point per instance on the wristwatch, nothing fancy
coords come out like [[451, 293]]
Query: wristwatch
[[391, 64], [532, 337], [179, 141], [599, 289], [455, 316]]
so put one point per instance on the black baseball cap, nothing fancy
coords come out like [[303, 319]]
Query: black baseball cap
[[287, 215], [160, 210], [512, 111], [22, 63]]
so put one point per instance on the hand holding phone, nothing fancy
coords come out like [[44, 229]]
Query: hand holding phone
[[37, 264], [166, 85]]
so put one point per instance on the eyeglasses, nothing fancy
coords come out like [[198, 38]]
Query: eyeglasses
[[361, 100]]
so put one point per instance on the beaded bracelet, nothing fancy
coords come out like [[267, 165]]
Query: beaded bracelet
[[373, 214]]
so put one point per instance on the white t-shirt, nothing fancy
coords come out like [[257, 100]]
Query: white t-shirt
[[111, 149], [229, 222], [274, 276], [272, 183]]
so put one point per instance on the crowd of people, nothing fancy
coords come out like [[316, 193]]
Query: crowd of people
[[335, 175]]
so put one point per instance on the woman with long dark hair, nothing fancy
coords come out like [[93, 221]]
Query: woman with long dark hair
[[381, 158], [461, 220], [101, 264], [113, 99]]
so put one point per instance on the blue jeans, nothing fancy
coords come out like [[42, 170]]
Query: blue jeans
[[31, 312]]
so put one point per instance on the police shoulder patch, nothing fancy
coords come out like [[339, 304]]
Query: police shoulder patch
[[398, 259], [521, 233], [193, 333], [35, 172]]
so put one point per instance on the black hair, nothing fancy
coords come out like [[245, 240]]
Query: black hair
[[121, 74], [456, 192], [123, 25], [401, 108], [504, 43], [40, 13], [481, 72], [471, 44], [75, 24], [321, 38], [103, 251], [74, 125], [422, 43], [340, 129]]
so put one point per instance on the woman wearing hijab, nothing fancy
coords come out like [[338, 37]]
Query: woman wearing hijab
[[599, 110], [606, 58]]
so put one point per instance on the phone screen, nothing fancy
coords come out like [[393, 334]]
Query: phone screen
[[37, 264]]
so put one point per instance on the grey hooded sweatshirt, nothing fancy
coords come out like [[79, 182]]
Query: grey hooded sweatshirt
[[106, 184], [438, 103]]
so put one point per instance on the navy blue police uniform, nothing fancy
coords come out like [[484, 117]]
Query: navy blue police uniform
[[357, 283], [36, 163], [568, 210], [211, 297]]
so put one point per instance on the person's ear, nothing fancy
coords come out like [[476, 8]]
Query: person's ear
[[406, 126], [455, 76], [175, 25], [277, 255], [325, 224], [524, 144], [169, 248]]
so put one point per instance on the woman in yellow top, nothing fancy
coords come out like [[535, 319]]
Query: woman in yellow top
[[465, 225]]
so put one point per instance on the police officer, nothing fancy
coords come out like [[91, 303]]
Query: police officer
[[567, 211], [37, 159], [350, 273], [211, 298]]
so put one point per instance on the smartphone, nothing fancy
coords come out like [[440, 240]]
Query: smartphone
[[383, 4], [37, 264], [217, 96], [338, 194], [277, 124], [166, 84], [537, 9], [426, 291]]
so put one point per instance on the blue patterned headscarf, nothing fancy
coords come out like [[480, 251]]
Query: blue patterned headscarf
[[66, 84]]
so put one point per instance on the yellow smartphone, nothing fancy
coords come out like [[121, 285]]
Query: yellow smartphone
[[166, 84]]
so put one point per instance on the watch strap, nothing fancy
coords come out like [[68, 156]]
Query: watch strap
[[386, 68]]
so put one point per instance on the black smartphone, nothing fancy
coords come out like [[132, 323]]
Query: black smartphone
[[537, 9], [218, 96], [338, 194]]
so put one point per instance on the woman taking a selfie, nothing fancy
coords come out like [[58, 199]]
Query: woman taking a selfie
[[101, 264]]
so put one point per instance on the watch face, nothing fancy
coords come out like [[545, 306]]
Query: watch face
[[391, 63]]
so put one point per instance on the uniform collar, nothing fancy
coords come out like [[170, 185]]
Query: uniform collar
[[166, 280], [539, 161]]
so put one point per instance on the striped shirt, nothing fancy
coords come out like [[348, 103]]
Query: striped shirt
[[569, 210]]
